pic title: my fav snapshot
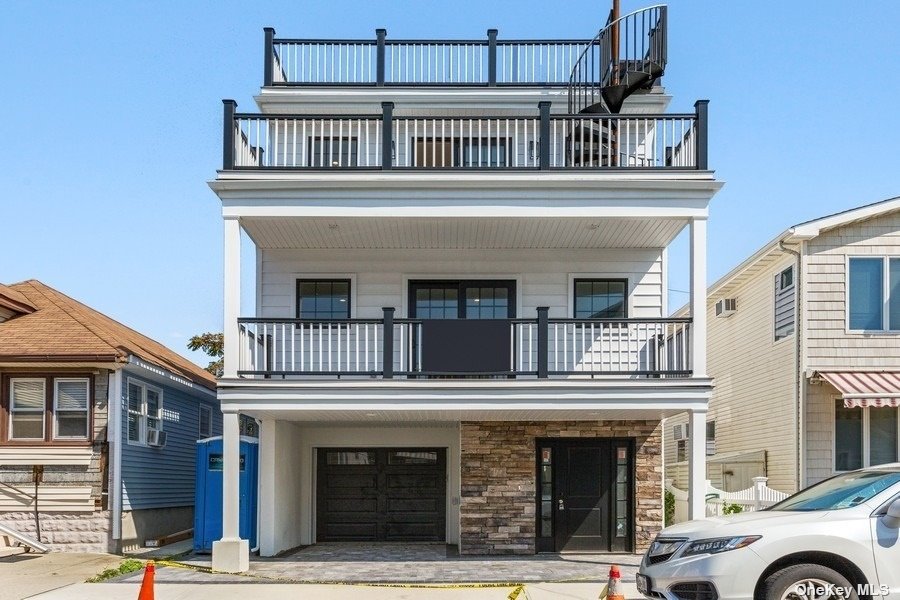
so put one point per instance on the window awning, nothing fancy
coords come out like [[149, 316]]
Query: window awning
[[861, 389]]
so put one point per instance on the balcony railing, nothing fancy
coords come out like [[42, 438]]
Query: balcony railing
[[384, 62], [543, 141], [504, 348]]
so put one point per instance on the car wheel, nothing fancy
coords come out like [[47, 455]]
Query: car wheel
[[807, 582]]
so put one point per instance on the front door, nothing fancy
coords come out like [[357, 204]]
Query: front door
[[585, 491]]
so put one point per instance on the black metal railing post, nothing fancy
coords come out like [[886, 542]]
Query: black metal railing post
[[228, 135], [269, 56], [387, 358], [544, 107], [380, 34], [387, 135], [543, 335], [702, 109], [492, 57]]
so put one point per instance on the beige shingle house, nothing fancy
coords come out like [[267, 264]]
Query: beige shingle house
[[804, 346]]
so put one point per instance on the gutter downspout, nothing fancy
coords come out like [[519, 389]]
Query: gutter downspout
[[798, 371], [114, 436]]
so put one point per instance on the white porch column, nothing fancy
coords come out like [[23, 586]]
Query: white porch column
[[231, 554], [697, 466], [698, 296], [232, 298]]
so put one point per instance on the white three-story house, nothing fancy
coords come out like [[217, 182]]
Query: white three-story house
[[460, 329]]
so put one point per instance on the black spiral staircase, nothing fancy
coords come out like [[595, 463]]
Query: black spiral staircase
[[627, 55]]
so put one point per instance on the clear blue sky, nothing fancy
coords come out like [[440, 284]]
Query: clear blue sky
[[111, 125]]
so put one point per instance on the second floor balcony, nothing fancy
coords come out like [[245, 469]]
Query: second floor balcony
[[535, 348], [543, 141]]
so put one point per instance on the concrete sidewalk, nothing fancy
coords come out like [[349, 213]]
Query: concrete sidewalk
[[276, 591], [25, 574]]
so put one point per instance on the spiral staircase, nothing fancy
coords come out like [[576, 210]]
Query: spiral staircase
[[627, 55]]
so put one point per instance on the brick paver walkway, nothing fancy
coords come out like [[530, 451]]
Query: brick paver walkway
[[415, 563]]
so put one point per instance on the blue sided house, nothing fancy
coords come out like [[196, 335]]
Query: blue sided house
[[98, 426]]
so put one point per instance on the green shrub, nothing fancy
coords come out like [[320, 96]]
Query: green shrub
[[669, 514], [129, 565], [732, 509]]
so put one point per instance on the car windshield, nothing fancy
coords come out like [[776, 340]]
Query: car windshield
[[842, 491]]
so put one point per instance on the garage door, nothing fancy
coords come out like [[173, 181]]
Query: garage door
[[381, 494]]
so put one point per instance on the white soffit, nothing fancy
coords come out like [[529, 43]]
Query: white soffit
[[460, 233]]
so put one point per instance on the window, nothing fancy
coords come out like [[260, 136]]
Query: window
[[484, 152], [46, 409], [333, 152], [600, 298], [144, 411], [785, 296], [681, 450], [71, 403], [864, 437], [27, 406], [710, 438], [206, 416], [874, 294], [323, 299], [474, 299]]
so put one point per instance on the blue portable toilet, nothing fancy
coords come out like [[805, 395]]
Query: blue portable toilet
[[208, 492]]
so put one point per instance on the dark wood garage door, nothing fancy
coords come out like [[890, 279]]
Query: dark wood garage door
[[381, 494]]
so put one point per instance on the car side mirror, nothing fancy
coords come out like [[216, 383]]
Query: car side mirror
[[891, 518]]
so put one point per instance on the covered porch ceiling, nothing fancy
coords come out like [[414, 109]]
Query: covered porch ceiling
[[461, 232]]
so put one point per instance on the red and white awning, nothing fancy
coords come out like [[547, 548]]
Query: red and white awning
[[861, 389]]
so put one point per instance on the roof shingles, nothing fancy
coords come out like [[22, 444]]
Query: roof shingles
[[62, 329]]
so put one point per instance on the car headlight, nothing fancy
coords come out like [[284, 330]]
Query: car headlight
[[662, 549], [717, 545]]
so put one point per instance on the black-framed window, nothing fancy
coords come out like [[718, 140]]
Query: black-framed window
[[333, 152], [601, 298], [323, 299], [470, 299]]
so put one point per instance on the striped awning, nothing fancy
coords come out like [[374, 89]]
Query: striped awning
[[861, 389]]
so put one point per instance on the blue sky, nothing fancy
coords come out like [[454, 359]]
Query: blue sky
[[111, 125]]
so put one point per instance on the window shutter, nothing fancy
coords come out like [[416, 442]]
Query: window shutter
[[784, 303], [28, 394]]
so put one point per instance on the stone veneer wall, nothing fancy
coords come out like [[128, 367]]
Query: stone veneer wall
[[498, 479], [66, 532]]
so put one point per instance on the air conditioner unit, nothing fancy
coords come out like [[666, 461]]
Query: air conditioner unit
[[681, 432], [710, 447], [156, 438], [726, 307]]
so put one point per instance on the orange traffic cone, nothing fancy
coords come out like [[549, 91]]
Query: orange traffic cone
[[146, 592], [614, 589]]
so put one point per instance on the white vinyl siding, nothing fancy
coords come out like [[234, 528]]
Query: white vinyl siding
[[754, 375], [27, 408], [71, 403], [543, 277], [785, 303]]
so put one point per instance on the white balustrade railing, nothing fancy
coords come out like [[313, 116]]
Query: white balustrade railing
[[324, 61], [537, 62], [639, 347], [312, 142], [466, 142], [573, 142], [586, 141], [631, 347]]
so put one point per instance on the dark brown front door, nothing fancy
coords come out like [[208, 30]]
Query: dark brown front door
[[585, 490], [381, 494]]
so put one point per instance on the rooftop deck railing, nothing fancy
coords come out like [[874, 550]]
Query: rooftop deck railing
[[385, 62], [505, 348], [496, 142]]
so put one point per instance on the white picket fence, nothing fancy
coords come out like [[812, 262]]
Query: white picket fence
[[756, 497]]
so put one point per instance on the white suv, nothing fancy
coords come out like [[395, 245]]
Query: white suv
[[837, 539]]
